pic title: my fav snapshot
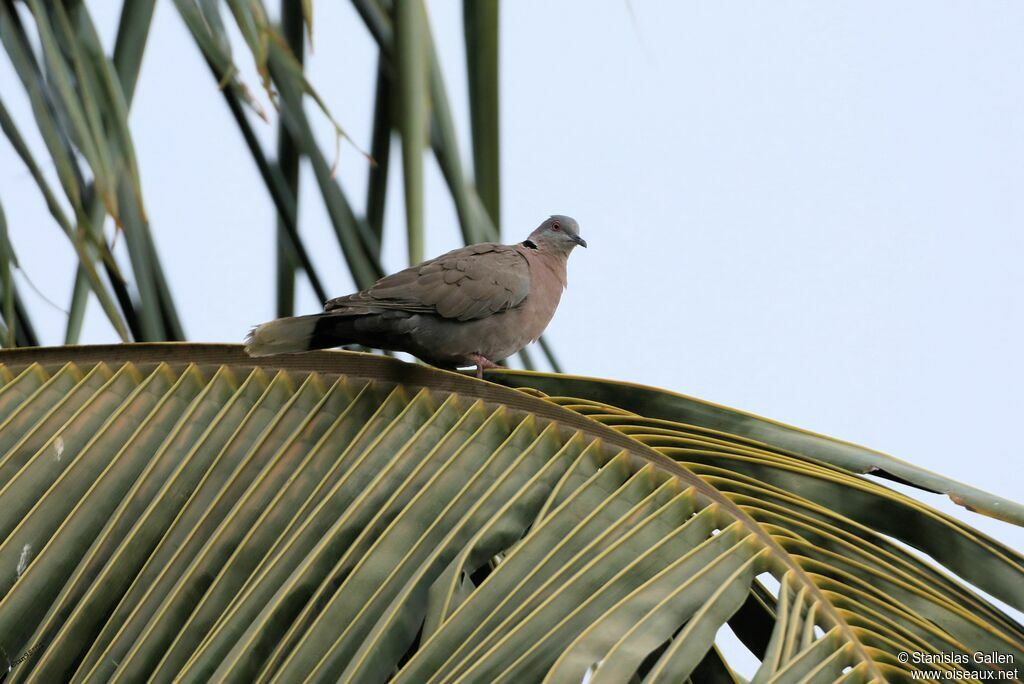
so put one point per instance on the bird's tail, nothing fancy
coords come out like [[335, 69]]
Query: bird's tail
[[283, 336]]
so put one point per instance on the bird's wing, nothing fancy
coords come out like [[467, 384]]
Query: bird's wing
[[464, 284]]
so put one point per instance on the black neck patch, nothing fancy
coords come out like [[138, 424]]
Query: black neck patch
[[530, 244]]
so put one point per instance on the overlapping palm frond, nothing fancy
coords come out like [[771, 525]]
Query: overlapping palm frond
[[175, 513]]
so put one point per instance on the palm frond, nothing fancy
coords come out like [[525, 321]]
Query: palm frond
[[80, 107], [411, 85], [480, 24], [174, 511], [662, 404], [288, 158]]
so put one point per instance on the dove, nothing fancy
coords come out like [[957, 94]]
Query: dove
[[473, 306]]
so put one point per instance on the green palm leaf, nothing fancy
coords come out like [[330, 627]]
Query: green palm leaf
[[175, 512]]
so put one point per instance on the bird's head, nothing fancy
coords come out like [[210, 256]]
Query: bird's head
[[559, 234]]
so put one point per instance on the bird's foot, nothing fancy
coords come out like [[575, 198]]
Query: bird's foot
[[481, 362]]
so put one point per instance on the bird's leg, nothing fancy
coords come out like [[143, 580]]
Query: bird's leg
[[481, 362]]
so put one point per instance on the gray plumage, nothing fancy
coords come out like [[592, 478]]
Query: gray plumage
[[472, 306]]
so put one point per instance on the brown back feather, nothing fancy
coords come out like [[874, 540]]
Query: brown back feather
[[465, 284]]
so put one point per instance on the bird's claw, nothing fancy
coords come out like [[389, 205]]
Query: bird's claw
[[482, 362]]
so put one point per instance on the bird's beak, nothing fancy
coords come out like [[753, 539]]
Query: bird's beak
[[579, 241]]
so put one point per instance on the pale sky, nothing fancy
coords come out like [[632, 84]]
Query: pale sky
[[807, 210]]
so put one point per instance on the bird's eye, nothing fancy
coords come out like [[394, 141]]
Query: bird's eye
[[556, 226]]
